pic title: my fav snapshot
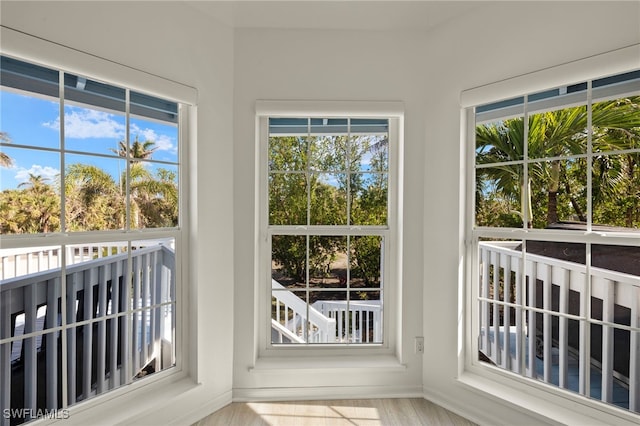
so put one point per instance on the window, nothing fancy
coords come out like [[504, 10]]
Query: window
[[555, 226], [90, 228], [329, 213]]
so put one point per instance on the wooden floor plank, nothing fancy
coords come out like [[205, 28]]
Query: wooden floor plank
[[344, 412]]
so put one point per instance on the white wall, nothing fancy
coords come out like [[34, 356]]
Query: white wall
[[176, 42], [323, 65], [494, 43], [427, 71]]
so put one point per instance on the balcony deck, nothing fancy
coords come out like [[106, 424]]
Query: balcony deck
[[568, 325], [114, 315]]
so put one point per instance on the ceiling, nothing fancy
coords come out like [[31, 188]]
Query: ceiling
[[334, 15]]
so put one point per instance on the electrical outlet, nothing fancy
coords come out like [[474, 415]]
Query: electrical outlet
[[419, 345]]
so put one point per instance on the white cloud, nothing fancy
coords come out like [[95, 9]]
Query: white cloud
[[162, 142], [47, 173], [83, 123]]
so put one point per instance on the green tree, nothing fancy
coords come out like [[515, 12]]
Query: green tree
[[32, 208], [93, 199], [552, 134], [139, 150]]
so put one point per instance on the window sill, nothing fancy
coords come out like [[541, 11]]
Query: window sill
[[549, 407], [324, 364]]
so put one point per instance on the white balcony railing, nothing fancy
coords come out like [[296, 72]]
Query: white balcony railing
[[550, 343], [125, 323], [329, 321]]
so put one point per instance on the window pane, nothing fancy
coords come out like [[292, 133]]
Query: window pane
[[95, 275], [29, 120], [369, 153], [327, 262], [498, 195], [153, 272], [558, 130], [150, 139], [288, 316], [328, 199], [289, 260], [558, 192], [365, 316], [153, 268], [153, 195], [366, 261], [288, 153], [287, 199], [500, 141], [328, 153], [329, 318], [30, 197], [616, 185], [35, 366], [500, 285], [95, 193], [93, 130], [369, 198], [94, 116], [153, 343]]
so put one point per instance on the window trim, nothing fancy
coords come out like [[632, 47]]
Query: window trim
[[38, 51], [394, 111], [485, 378]]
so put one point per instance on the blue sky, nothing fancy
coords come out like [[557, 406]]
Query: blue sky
[[35, 121]]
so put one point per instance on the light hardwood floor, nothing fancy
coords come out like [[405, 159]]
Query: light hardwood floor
[[383, 412]]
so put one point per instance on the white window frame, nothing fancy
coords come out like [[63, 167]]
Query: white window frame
[[394, 111], [542, 399], [27, 48]]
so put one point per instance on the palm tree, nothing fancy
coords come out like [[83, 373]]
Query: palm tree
[[552, 134], [40, 206], [138, 150], [5, 160], [93, 201]]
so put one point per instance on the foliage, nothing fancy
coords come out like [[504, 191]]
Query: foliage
[[557, 182], [317, 180], [93, 199]]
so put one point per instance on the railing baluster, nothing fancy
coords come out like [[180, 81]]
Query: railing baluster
[[563, 326], [29, 348], [136, 328], [519, 285], [607, 338], [484, 316], [53, 299], [114, 378], [546, 323], [72, 287], [103, 276], [495, 350], [506, 317], [90, 278], [584, 381], [127, 333], [531, 324], [144, 322], [156, 286]]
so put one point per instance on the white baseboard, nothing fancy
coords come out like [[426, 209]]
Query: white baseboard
[[325, 393]]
